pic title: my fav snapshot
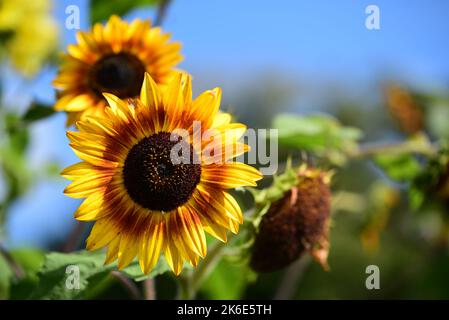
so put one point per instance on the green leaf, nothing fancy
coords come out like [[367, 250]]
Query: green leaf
[[400, 167], [38, 112], [416, 197], [281, 184], [18, 133], [427, 184], [31, 261], [5, 278], [263, 198], [15, 171], [436, 119], [228, 281], [134, 272], [102, 9], [321, 134], [56, 273], [53, 275]]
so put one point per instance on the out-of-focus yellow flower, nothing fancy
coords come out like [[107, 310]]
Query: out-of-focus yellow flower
[[113, 58], [33, 31]]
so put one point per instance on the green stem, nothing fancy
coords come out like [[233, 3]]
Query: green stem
[[15, 267], [128, 284], [291, 279], [191, 283], [149, 289], [74, 237], [161, 12], [184, 291]]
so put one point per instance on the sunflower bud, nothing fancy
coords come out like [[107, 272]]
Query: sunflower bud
[[295, 224], [404, 109]]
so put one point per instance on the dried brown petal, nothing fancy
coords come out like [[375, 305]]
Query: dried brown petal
[[404, 109]]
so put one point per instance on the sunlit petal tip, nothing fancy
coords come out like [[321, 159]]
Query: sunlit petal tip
[[112, 99], [216, 92], [149, 93], [90, 245], [109, 260], [71, 135], [114, 19], [186, 79], [177, 270], [177, 80]]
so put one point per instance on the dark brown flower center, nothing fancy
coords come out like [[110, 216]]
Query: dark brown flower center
[[120, 74], [158, 178]]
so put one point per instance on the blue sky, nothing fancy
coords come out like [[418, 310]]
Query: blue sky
[[229, 43]]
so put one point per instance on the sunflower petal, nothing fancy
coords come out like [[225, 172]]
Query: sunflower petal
[[205, 107], [230, 175], [102, 233], [173, 258], [151, 245], [149, 94], [127, 250], [112, 252]]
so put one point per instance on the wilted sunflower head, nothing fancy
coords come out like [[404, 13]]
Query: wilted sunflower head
[[112, 58], [296, 223], [150, 184]]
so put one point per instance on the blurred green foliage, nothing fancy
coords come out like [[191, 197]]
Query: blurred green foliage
[[101, 10], [53, 275], [320, 134], [400, 167]]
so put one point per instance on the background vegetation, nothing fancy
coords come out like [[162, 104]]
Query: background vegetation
[[373, 106]]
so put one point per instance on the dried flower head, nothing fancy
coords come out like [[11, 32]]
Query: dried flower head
[[296, 223]]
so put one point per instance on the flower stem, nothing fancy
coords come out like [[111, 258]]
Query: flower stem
[[149, 289], [191, 283], [161, 12], [74, 237], [128, 284], [292, 277], [15, 267]]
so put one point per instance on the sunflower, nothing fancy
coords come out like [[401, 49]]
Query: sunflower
[[112, 58], [29, 34], [145, 201]]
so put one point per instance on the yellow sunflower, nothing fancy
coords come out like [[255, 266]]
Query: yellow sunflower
[[147, 199], [112, 58]]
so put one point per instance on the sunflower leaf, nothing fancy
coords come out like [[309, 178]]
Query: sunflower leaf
[[399, 167], [431, 181], [70, 276], [227, 281], [5, 278], [38, 112], [320, 134], [54, 276], [265, 197], [134, 272], [103, 9], [31, 261]]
